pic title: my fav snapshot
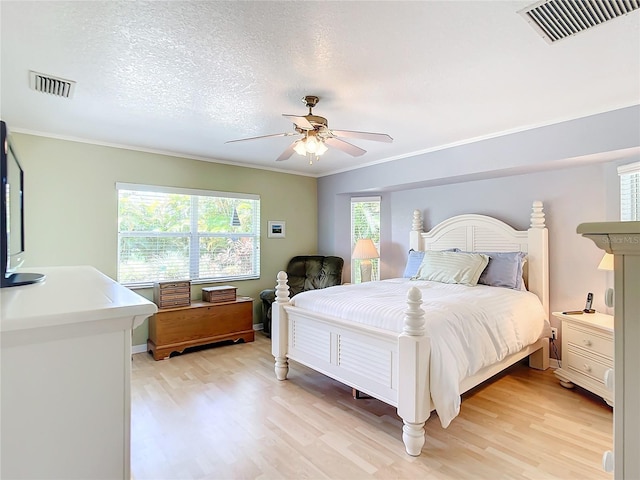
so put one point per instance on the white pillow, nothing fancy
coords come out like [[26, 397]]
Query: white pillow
[[452, 267]]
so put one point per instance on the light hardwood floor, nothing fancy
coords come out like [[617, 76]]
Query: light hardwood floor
[[220, 413]]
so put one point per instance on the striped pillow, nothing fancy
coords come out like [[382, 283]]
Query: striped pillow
[[452, 267]]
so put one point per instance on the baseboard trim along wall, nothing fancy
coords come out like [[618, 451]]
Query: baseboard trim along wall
[[139, 348]]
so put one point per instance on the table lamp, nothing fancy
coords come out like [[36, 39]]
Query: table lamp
[[364, 251], [607, 264]]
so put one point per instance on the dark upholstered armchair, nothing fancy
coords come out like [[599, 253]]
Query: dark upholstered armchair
[[305, 272]]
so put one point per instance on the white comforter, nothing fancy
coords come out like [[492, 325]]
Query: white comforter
[[469, 327]]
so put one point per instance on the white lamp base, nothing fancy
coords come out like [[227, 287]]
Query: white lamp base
[[365, 270]]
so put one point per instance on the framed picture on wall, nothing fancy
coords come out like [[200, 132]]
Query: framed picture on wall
[[277, 229]]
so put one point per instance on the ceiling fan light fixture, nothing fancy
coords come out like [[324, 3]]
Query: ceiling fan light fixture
[[311, 144], [299, 148], [321, 148]]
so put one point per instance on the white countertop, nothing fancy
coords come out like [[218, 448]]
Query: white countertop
[[598, 319], [69, 295]]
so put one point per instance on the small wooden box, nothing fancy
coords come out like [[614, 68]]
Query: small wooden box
[[223, 293], [172, 294]]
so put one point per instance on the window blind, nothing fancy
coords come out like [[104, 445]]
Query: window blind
[[629, 192], [166, 234]]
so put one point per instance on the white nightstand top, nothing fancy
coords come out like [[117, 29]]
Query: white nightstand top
[[598, 319]]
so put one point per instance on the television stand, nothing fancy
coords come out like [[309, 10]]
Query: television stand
[[66, 368], [17, 279]]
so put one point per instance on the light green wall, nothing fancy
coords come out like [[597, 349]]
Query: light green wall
[[71, 205]]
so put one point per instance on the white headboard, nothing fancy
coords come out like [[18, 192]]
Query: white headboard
[[482, 233]]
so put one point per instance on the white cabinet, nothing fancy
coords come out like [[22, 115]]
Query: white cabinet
[[66, 362], [587, 351]]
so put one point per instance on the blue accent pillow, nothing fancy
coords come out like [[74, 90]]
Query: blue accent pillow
[[504, 270], [413, 263]]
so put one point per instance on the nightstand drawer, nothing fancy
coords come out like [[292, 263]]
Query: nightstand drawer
[[590, 340], [586, 365]]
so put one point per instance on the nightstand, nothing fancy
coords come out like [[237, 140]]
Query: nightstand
[[587, 352]]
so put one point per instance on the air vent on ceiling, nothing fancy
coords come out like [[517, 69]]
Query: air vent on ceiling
[[50, 84], [558, 19]]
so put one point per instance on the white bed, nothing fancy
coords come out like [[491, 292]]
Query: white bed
[[390, 356]]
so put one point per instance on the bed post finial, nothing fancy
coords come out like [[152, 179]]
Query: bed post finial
[[416, 231], [416, 224], [537, 215], [538, 253], [414, 315], [282, 288], [279, 327]]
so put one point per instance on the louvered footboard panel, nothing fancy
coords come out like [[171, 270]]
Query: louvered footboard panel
[[362, 359]]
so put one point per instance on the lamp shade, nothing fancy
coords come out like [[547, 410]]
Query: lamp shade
[[607, 262], [299, 148], [321, 148], [364, 250]]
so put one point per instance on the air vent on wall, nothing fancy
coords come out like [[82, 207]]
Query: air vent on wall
[[60, 87], [558, 19]]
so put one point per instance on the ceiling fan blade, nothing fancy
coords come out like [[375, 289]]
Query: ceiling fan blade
[[377, 137], [287, 153], [287, 134], [345, 146], [301, 122]]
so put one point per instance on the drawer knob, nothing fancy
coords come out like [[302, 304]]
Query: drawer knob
[[587, 342], [608, 379], [587, 367], [607, 461]]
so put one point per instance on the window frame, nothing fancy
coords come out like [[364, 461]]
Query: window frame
[[629, 191], [194, 236], [375, 263]]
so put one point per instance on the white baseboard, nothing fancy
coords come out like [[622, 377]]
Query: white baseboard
[[139, 348], [258, 326], [553, 363]]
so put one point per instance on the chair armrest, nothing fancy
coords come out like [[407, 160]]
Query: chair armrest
[[268, 295]]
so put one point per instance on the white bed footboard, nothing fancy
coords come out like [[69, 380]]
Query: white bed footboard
[[391, 368]]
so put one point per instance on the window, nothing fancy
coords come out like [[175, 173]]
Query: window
[[169, 233], [365, 223], [629, 191]]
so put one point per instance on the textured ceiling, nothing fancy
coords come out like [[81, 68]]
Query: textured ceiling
[[185, 77]]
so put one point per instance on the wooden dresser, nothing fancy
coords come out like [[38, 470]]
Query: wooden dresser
[[174, 329]]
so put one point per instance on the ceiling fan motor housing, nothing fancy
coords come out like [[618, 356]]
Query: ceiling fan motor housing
[[317, 121], [319, 124]]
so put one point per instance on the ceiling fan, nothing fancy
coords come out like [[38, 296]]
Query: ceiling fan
[[316, 135]]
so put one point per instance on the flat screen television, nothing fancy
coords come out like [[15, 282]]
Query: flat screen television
[[12, 217]]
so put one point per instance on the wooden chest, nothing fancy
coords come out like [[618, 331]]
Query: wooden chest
[[201, 323], [172, 294]]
